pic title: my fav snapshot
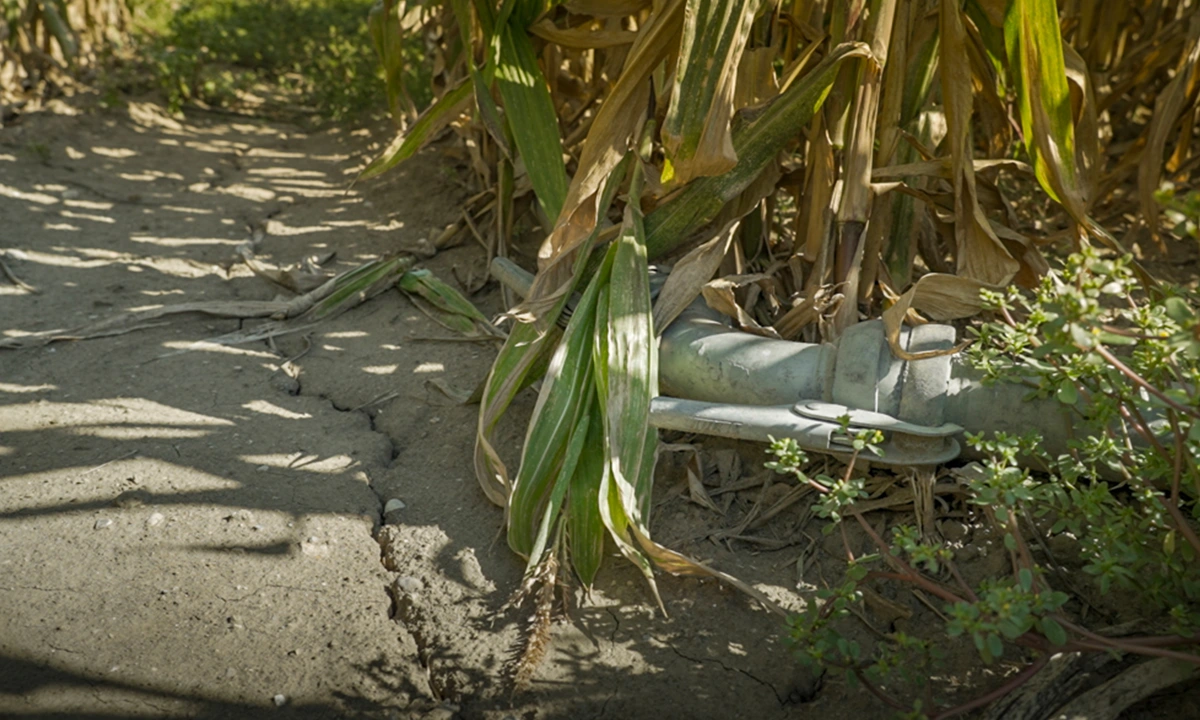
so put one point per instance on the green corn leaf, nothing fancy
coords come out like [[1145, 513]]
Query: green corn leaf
[[757, 142], [632, 378], [486, 12], [611, 498], [1039, 75], [355, 286], [384, 28], [564, 480], [696, 136], [451, 309], [559, 406], [481, 81], [626, 360], [585, 528], [527, 98], [922, 67], [440, 295], [59, 28], [521, 360], [440, 114]]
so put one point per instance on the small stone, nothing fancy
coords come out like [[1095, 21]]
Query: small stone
[[280, 700], [313, 547], [242, 516], [409, 584], [953, 530], [393, 505], [102, 523], [284, 383], [155, 519]]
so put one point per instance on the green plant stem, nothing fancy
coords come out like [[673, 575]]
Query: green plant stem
[[1181, 454], [1187, 456], [1182, 525], [1024, 558]]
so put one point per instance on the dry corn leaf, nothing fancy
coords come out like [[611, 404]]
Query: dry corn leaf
[[980, 254], [582, 37], [606, 8], [1167, 108], [756, 81], [689, 275], [719, 294], [619, 115], [941, 297]]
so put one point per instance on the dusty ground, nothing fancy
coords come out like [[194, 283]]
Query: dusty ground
[[199, 533]]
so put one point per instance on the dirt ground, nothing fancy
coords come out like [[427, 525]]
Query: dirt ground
[[199, 530]]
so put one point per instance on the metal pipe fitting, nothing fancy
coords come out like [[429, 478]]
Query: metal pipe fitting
[[718, 380]]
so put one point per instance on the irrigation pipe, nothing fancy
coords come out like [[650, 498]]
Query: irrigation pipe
[[718, 380]]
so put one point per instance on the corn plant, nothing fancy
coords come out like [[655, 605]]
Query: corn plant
[[857, 156], [53, 40]]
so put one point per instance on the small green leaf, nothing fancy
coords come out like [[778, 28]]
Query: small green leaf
[[533, 121], [995, 646], [1026, 578], [446, 109], [1010, 542], [1067, 393], [1053, 631], [1178, 310]]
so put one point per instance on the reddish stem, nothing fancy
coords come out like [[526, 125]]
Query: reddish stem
[[1015, 682], [1104, 644], [877, 692], [919, 581], [962, 581], [1139, 381]]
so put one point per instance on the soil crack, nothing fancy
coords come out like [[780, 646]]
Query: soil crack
[[701, 661]]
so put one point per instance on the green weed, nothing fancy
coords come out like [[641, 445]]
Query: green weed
[[318, 53]]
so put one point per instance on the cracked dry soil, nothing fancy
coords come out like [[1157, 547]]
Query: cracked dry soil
[[201, 533]]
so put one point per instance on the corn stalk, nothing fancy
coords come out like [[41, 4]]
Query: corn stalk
[[868, 147], [53, 40]]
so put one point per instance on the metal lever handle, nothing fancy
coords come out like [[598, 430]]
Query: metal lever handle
[[927, 446]]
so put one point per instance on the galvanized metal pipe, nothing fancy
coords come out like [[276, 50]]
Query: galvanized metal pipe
[[721, 381]]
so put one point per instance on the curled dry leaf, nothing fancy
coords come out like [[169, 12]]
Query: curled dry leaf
[[719, 296], [582, 37], [942, 298], [689, 275]]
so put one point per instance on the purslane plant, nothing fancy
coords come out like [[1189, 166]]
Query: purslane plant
[[1128, 366]]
